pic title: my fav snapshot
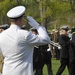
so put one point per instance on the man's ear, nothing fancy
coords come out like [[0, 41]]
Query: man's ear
[[20, 20]]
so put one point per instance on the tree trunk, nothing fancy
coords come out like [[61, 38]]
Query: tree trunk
[[19, 1], [42, 11], [72, 2]]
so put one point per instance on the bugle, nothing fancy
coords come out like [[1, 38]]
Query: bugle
[[56, 44]]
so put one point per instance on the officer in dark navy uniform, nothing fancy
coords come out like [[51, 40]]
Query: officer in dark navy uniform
[[41, 56], [64, 52], [72, 53], [44, 49], [37, 57]]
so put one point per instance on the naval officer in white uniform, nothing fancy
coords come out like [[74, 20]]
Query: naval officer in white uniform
[[16, 45]]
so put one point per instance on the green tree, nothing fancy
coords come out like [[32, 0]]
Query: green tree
[[5, 5]]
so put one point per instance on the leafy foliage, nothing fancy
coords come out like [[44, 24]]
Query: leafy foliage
[[51, 10]]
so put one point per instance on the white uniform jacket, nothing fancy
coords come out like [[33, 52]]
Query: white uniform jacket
[[16, 46]]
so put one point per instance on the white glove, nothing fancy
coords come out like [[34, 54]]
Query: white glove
[[32, 22]]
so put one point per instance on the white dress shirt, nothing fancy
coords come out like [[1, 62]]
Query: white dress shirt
[[16, 46]]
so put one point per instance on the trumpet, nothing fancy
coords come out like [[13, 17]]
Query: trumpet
[[56, 44]]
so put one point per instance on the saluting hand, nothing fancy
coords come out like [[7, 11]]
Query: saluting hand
[[32, 22]]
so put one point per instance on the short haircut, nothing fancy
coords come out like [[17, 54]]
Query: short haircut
[[35, 30]]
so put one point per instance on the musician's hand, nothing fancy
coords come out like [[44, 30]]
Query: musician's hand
[[32, 22]]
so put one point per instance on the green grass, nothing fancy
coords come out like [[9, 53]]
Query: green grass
[[55, 66]]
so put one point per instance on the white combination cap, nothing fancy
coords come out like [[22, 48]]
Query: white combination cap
[[16, 12], [66, 27]]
